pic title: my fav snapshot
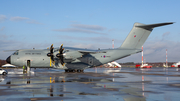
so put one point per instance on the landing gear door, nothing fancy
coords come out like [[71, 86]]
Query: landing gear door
[[90, 62]]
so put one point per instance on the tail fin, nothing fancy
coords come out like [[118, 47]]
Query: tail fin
[[139, 34]]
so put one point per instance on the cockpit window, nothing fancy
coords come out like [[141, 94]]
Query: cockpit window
[[15, 53]]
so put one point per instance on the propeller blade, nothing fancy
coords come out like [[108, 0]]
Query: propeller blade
[[61, 49], [61, 60], [60, 55], [51, 53], [52, 57], [51, 48]]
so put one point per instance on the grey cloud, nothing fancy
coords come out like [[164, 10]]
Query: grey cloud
[[90, 27], [17, 18], [159, 44], [153, 47], [165, 34], [149, 51], [155, 51], [100, 41], [78, 31], [2, 28], [88, 46], [3, 36], [2, 18], [111, 30], [7, 44], [158, 51], [34, 22], [91, 39]]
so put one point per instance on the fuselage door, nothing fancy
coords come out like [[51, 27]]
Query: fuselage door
[[28, 63]]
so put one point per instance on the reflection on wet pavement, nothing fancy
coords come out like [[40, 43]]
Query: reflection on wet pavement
[[124, 84]]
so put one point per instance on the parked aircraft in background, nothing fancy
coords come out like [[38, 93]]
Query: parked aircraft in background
[[176, 64], [77, 59], [114, 65]]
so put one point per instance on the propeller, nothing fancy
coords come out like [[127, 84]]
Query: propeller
[[51, 53], [60, 55]]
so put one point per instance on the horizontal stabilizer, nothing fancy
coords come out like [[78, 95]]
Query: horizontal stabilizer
[[151, 26]]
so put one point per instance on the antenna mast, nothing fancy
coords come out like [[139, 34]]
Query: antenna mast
[[113, 43], [166, 59], [142, 55]]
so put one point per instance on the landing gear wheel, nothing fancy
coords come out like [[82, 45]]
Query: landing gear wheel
[[74, 70], [66, 70], [82, 70], [69, 70], [78, 70]]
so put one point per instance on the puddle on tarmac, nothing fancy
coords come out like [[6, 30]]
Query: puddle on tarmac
[[95, 84]]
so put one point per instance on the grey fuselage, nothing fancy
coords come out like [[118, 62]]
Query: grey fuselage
[[73, 58]]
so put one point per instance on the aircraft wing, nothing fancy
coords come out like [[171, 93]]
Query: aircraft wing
[[90, 51]]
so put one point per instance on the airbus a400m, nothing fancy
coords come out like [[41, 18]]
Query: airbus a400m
[[76, 59]]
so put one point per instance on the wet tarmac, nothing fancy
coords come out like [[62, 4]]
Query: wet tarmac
[[95, 84]]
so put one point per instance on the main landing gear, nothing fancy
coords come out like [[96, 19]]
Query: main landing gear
[[74, 70]]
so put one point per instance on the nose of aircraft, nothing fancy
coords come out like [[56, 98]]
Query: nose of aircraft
[[8, 60]]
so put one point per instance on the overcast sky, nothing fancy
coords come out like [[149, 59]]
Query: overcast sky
[[92, 24]]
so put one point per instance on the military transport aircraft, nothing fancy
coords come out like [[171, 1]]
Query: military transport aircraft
[[76, 59]]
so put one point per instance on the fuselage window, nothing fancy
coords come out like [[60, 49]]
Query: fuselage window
[[28, 53]]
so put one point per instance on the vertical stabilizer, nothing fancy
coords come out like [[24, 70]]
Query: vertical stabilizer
[[139, 34]]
